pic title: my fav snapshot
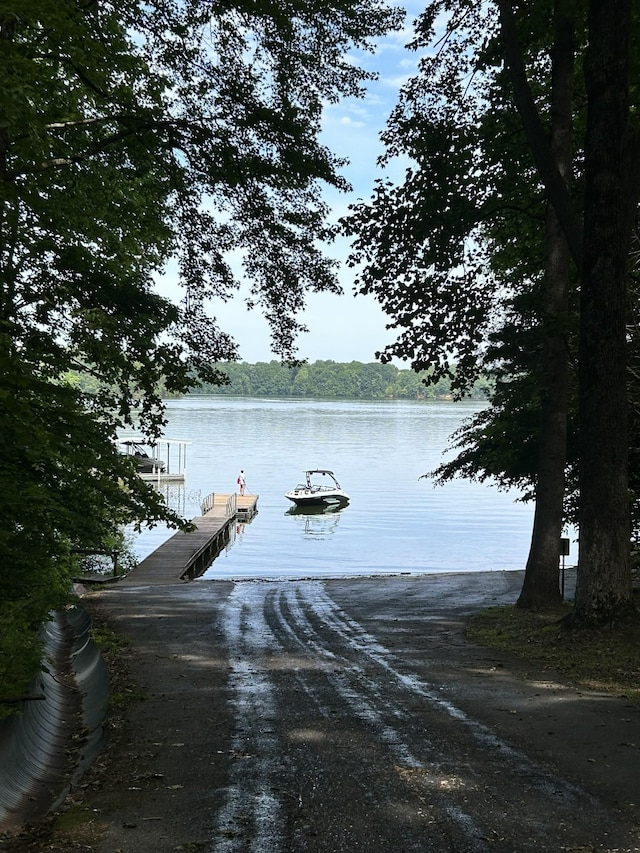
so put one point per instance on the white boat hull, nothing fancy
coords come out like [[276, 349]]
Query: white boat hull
[[318, 497]]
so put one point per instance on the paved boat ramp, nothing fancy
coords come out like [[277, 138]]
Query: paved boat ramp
[[185, 556]]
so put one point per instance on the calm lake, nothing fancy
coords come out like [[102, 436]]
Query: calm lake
[[396, 521]]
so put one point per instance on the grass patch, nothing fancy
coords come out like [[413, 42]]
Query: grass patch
[[116, 650], [77, 828], [606, 659], [108, 641]]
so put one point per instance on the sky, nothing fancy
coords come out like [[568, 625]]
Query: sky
[[348, 327]]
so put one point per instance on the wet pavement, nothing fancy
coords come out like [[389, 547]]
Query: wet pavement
[[353, 715]]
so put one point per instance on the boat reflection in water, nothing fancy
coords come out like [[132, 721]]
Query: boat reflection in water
[[320, 520]]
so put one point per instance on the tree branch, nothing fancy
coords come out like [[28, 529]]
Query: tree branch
[[555, 186]]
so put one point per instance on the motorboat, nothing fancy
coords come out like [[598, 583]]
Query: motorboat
[[319, 489], [146, 463]]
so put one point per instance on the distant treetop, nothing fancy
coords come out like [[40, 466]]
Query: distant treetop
[[353, 380]]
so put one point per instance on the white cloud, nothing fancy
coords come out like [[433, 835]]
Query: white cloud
[[349, 122]]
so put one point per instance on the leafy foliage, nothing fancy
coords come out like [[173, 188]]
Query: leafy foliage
[[63, 485], [20, 653], [354, 381], [454, 253], [447, 250], [132, 134], [500, 443]]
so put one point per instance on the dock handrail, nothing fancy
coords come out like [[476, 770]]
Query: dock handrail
[[207, 503], [230, 506]]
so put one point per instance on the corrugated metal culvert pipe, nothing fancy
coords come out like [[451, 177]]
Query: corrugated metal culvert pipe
[[67, 699]]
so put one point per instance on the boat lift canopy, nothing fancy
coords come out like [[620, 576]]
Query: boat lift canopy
[[170, 452]]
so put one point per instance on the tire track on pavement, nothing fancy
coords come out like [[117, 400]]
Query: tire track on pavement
[[251, 810], [518, 784], [296, 635]]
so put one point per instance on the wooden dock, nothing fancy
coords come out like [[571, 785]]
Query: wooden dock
[[246, 506], [186, 555]]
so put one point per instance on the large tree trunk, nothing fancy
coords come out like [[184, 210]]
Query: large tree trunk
[[604, 582], [541, 590]]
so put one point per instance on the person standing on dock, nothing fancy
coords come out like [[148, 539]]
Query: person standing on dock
[[242, 482]]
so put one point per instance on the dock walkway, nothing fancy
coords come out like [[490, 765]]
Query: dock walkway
[[186, 555]]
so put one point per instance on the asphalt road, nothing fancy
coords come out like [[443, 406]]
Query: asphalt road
[[352, 715]]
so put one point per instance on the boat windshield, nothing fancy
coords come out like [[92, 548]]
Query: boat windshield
[[334, 484]]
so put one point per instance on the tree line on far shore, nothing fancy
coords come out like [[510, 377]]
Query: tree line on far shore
[[353, 380]]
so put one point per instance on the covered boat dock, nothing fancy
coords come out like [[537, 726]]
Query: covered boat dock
[[162, 461]]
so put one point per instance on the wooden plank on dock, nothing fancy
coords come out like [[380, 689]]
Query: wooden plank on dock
[[169, 562], [185, 555]]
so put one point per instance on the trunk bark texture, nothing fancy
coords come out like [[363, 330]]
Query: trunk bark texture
[[604, 583], [541, 589]]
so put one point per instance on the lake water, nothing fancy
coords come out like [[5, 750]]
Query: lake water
[[396, 522]]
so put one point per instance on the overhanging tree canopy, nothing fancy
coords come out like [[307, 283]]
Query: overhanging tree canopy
[[135, 135]]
